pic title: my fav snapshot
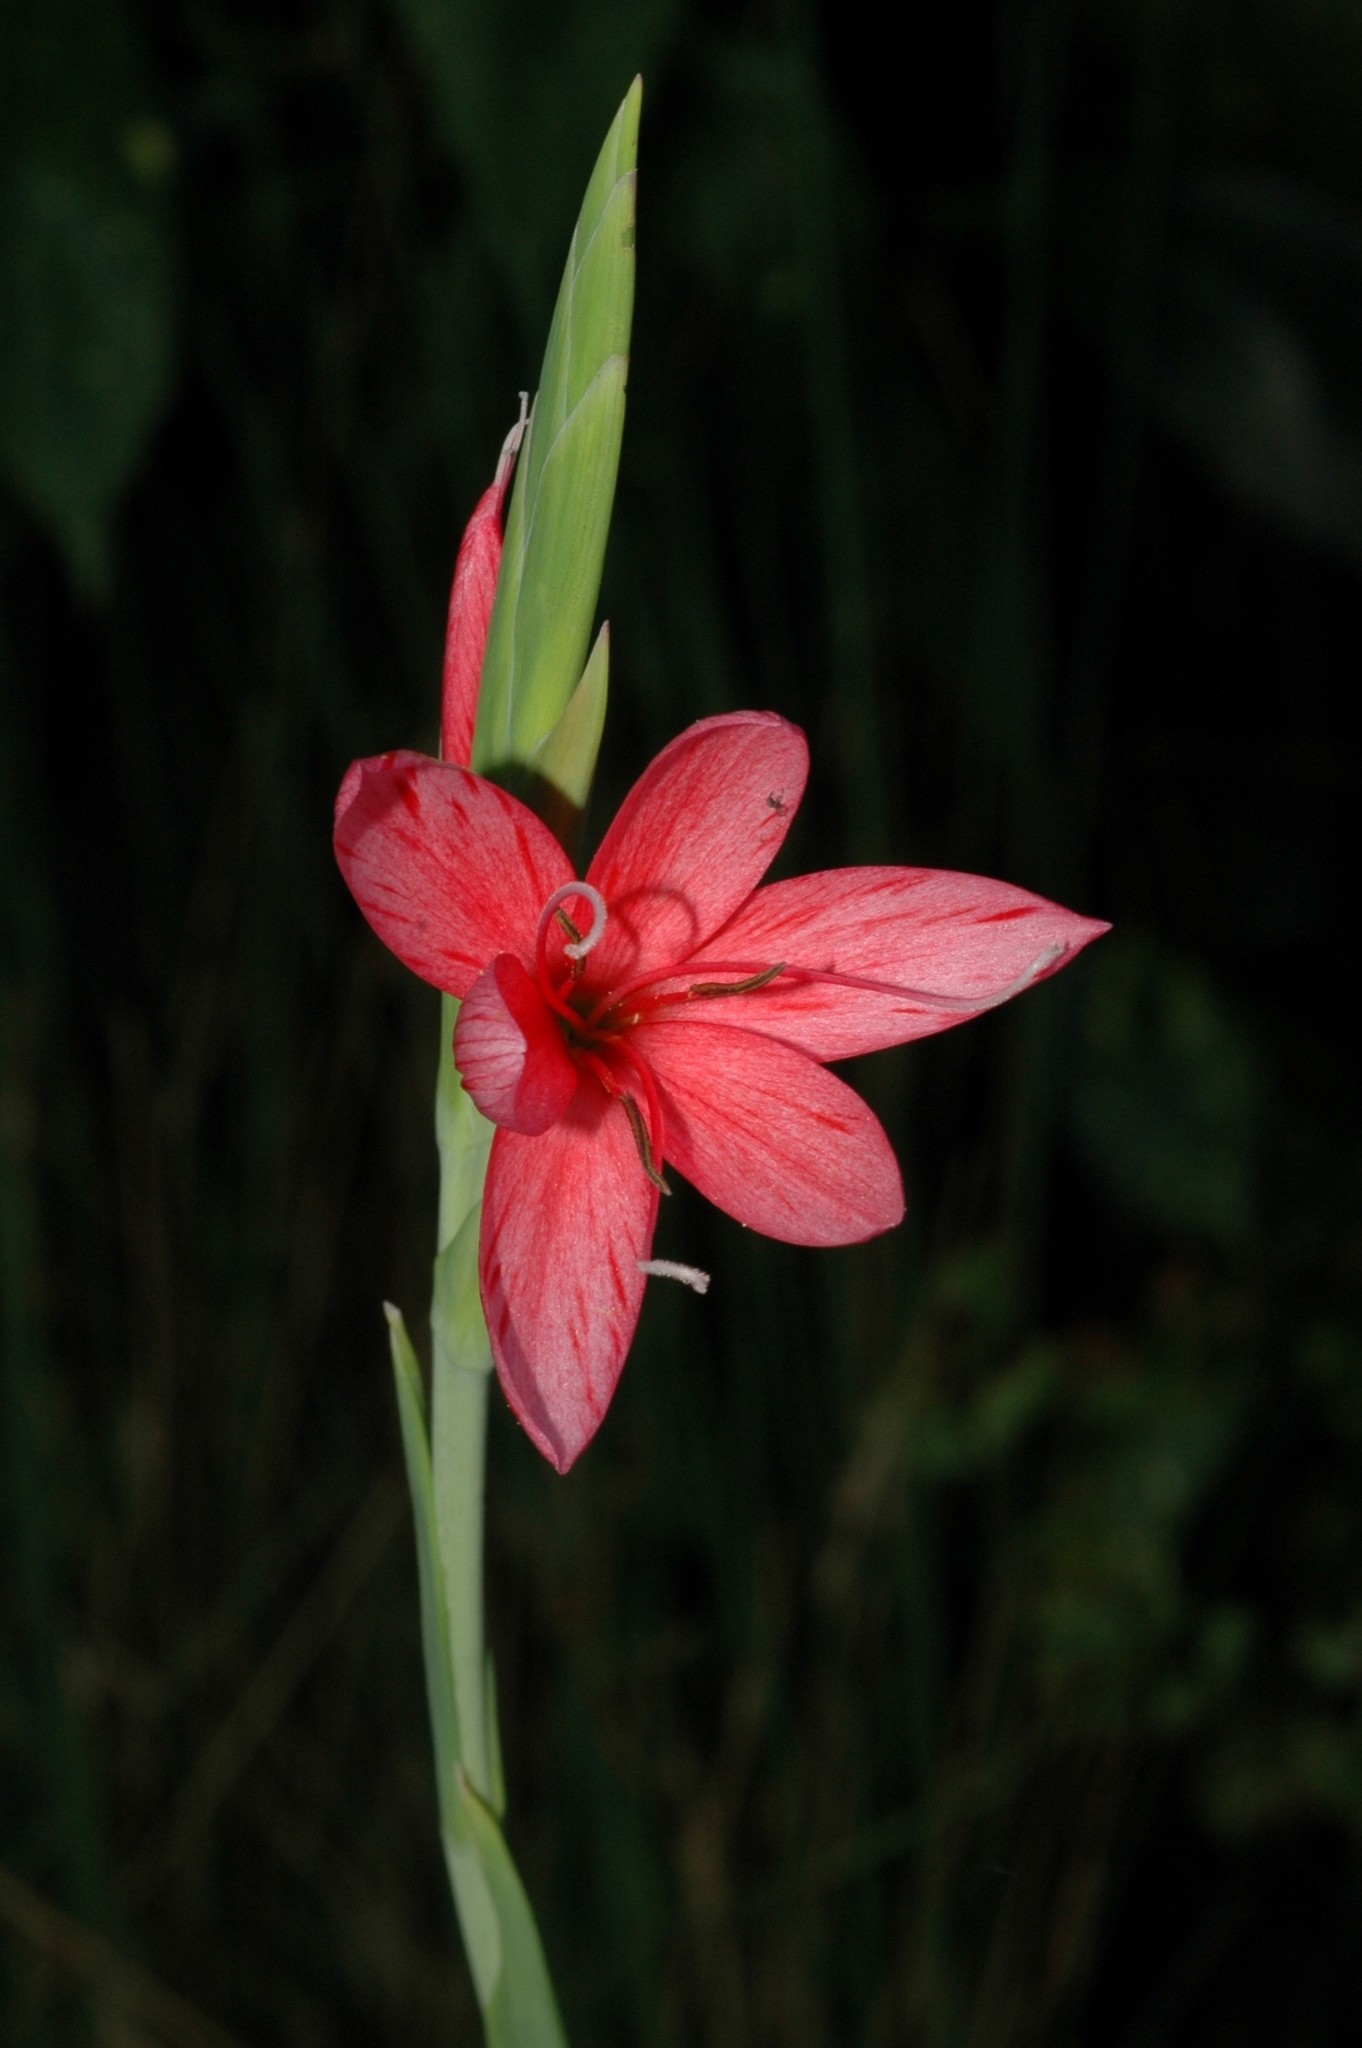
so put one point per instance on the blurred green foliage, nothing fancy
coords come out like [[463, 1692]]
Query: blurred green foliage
[[87, 331], [953, 1640], [1167, 1095]]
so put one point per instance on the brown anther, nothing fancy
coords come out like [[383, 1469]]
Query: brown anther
[[643, 1141], [573, 934], [737, 988]]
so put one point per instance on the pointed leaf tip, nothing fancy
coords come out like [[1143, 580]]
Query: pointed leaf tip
[[628, 117], [564, 762], [564, 488]]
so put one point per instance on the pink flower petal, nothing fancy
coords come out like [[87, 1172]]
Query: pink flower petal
[[769, 1135], [448, 869], [693, 837], [509, 1048], [470, 609], [565, 1220], [919, 929]]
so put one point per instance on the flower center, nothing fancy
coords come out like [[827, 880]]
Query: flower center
[[598, 1031], [633, 1088]]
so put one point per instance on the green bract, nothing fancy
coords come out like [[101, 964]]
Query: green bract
[[556, 780], [565, 481]]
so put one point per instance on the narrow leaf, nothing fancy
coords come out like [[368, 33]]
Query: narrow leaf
[[561, 574], [562, 765], [509, 1971], [497, 1771], [479, 1921], [565, 483], [463, 1135], [456, 1310], [444, 1720]]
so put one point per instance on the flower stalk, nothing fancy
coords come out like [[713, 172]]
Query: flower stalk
[[519, 625], [461, 1360]]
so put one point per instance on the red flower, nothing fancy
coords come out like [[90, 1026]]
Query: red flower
[[665, 1010]]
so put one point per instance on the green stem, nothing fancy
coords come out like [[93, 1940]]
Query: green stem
[[461, 1363], [447, 1475], [464, 1139]]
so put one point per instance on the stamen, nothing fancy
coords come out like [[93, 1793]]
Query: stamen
[[650, 1161], [641, 983], [668, 1269], [922, 998], [625, 1052], [737, 988], [936, 999], [641, 1138]]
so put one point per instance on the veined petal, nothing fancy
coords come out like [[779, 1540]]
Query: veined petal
[[508, 1047], [919, 932], [693, 837], [565, 1219], [448, 869], [769, 1135], [470, 607]]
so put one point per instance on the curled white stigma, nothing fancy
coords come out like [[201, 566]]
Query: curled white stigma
[[668, 1269], [579, 949]]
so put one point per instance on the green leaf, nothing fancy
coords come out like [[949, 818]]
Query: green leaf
[[500, 1938], [498, 1772], [505, 1955], [559, 516], [444, 1719], [558, 777], [463, 1136], [456, 1310]]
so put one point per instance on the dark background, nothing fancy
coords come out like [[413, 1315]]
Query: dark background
[[957, 1640]]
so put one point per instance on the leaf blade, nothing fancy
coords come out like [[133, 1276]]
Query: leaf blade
[[564, 490], [444, 1717]]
